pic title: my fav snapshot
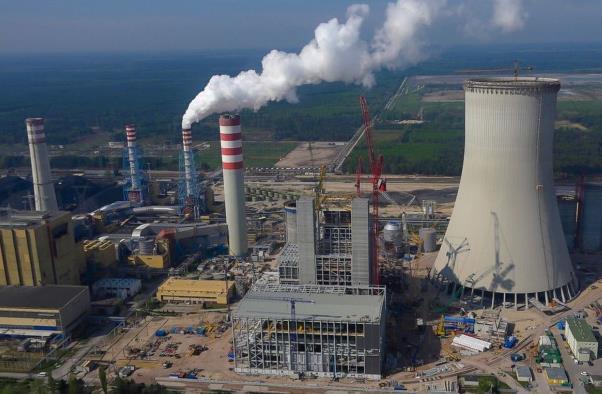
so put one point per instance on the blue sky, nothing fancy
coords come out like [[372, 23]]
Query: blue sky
[[163, 25]]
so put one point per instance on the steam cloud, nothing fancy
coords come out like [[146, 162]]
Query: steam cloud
[[337, 53], [509, 15]]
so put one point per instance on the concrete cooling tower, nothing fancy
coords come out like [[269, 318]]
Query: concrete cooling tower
[[504, 242]]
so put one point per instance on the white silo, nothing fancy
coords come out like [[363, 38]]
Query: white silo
[[504, 241], [43, 187], [234, 191]]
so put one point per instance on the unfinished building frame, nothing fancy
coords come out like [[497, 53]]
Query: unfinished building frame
[[340, 334]]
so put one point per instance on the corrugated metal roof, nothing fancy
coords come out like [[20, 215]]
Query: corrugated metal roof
[[340, 307]]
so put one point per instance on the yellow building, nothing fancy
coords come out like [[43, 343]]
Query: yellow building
[[38, 248], [100, 252], [556, 376], [195, 291]]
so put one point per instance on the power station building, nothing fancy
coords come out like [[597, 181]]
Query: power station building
[[328, 246], [42, 311], [39, 248], [504, 241], [328, 331]]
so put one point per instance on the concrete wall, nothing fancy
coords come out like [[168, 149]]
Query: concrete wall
[[306, 240], [362, 247]]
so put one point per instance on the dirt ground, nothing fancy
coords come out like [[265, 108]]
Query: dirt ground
[[322, 152]]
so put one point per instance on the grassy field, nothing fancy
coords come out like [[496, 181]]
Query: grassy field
[[256, 154], [436, 146]]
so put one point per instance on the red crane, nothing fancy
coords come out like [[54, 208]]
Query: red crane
[[378, 185]]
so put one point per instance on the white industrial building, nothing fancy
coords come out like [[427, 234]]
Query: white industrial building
[[471, 343], [117, 287], [581, 339], [523, 373], [504, 242]]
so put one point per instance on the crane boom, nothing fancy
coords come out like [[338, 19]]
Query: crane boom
[[378, 185]]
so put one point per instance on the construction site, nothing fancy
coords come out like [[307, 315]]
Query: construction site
[[304, 273]]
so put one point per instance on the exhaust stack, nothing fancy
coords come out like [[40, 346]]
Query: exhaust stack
[[188, 171], [234, 193], [43, 188], [135, 192]]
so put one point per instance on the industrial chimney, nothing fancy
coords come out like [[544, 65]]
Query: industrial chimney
[[504, 242], [234, 193], [188, 171], [43, 188], [135, 192]]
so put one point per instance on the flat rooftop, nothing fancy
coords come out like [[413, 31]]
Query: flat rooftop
[[38, 297], [12, 218], [580, 330], [174, 284], [338, 307]]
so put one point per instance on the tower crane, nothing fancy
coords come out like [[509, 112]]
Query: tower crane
[[378, 185]]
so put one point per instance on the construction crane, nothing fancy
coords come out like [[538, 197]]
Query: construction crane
[[516, 70], [319, 190], [292, 324], [378, 185]]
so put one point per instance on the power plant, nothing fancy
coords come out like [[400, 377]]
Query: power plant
[[43, 188], [304, 274], [504, 240], [234, 189]]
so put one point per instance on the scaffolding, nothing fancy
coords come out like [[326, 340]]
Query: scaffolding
[[130, 193], [192, 203], [335, 332]]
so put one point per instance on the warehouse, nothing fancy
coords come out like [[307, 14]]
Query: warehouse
[[42, 311], [193, 291], [581, 339], [327, 331]]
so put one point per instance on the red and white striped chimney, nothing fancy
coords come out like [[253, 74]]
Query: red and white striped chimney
[[187, 147], [234, 192], [130, 132], [43, 188]]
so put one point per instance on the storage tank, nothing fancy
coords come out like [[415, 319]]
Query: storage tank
[[290, 211], [392, 233], [504, 239], [146, 246], [429, 239], [591, 219]]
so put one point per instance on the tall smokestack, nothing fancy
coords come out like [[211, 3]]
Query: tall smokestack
[[43, 188], [234, 193], [188, 171], [135, 190]]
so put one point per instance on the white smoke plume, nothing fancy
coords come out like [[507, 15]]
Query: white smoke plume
[[337, 53], [509, 15]]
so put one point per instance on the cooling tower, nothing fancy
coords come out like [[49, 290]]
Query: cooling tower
[[135, 192], [504, 241], [43, 188], [234, 191]]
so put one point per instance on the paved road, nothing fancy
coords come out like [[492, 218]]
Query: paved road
[[572, 369]]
